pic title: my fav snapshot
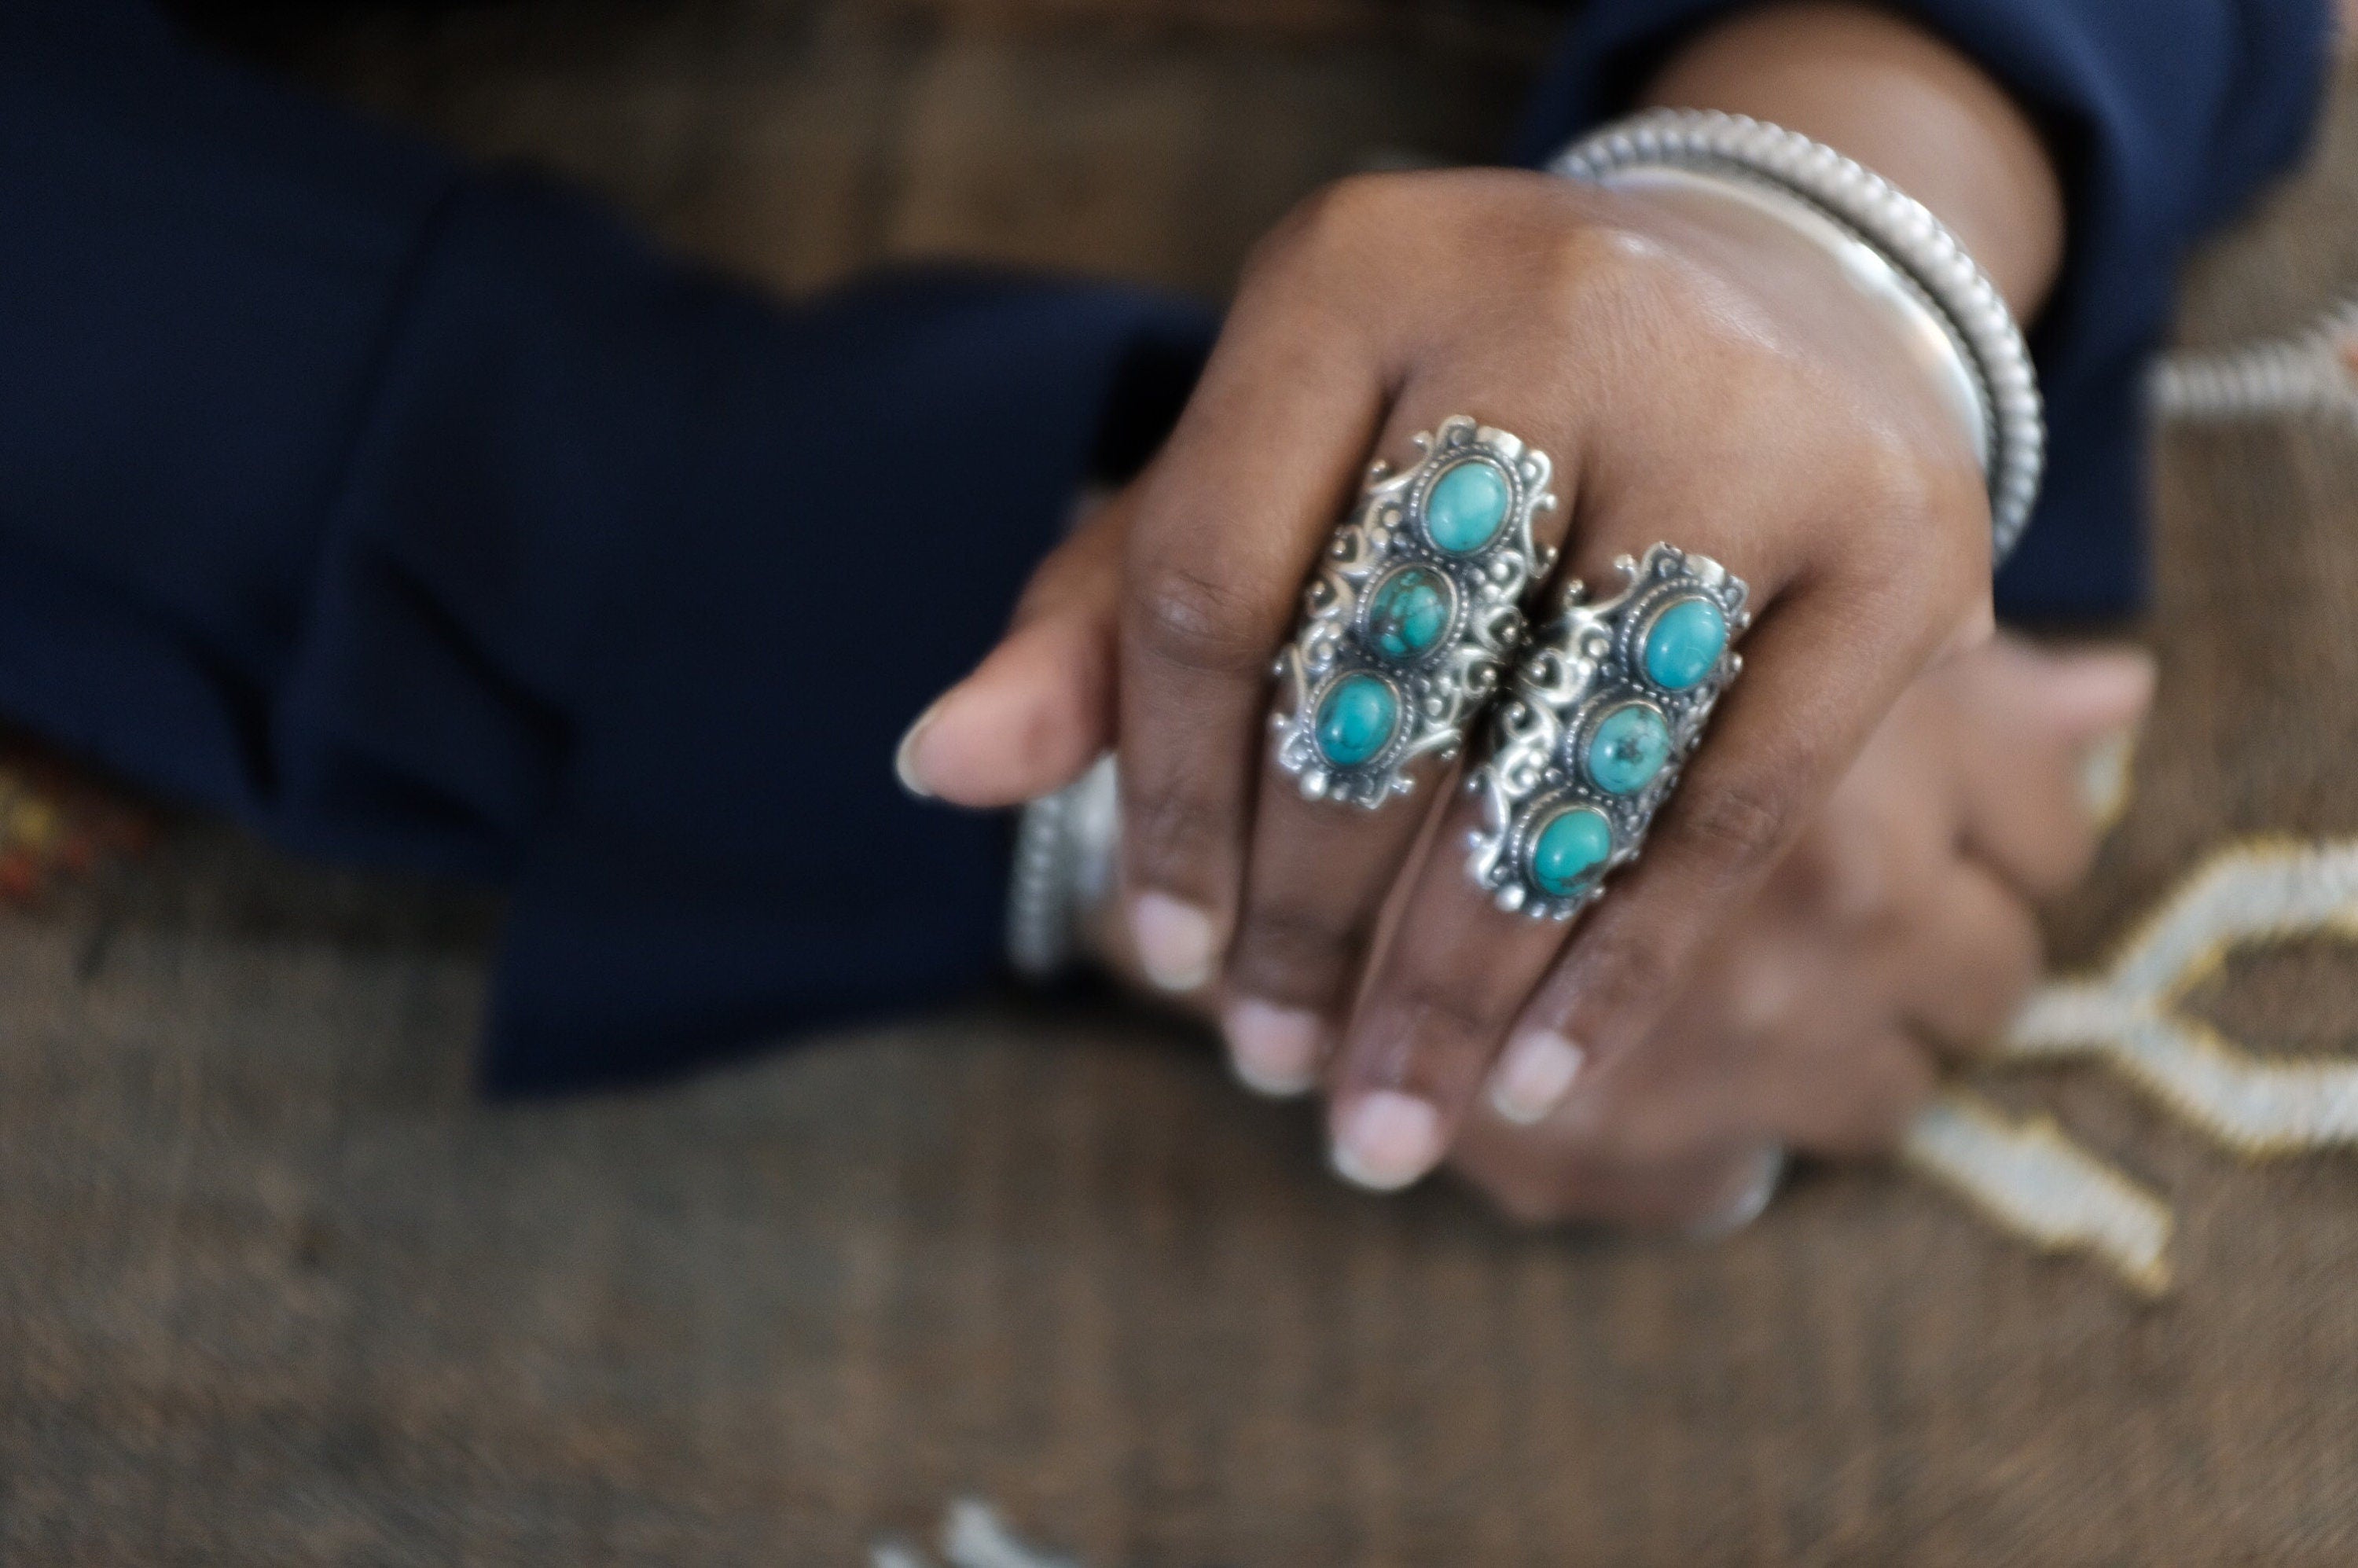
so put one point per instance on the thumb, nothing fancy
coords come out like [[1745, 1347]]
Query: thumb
[[2070, 698], [2049, 734], [2087, 695], [1040, 707], [2094, 699]]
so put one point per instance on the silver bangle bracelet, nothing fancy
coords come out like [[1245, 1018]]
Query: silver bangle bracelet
[[1064, 862], [1920, 328], [1899, 229]]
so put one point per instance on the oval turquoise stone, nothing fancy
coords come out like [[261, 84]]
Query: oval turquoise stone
[[1409, 612], [1684, 642], [1568, 852], [1356, 719], [1466, 507], [1630, 747]]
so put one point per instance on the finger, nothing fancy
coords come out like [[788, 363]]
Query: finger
[[1451, 980], [2027, 805], [1842, 1096], [1315, 885], [1817, 1069], [1319, 868], [1452, 976], [1973, 954], [1832, 1088], [1707, 1195], [1039, 708], [1231, 517], [1823, 665]]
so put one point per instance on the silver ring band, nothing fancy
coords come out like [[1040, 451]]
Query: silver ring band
[[1413, 614], [1601, 714]]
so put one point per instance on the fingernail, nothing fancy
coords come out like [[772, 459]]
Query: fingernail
[[1388, 1140], [1755, 1184], [1174, 941], [1275, 1050], [1534, 1076], [904, 756]]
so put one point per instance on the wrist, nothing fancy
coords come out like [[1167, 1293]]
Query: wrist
[[1853, 304], [1896, 228], [1881, 91]]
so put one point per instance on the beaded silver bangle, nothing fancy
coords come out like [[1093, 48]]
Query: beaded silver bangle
[[1899, 229]]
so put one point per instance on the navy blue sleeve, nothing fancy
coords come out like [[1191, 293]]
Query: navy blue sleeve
[[2164, 116], [427, 517]]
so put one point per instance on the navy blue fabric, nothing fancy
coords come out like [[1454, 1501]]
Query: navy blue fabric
[[429, 518], [2164, 115], [426, 516]]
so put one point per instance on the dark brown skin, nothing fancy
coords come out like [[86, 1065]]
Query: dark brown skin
[[1892, 942], [1695, 379]]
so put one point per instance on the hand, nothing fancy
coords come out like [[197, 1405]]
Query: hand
[[1696, 377], [1897, 937]]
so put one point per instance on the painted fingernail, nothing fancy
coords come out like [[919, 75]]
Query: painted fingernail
[[1534, 1076], [1387, 1140], [904, 755], [1173, 940], [1275, 1050]]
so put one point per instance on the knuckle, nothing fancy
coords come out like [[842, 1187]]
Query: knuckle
[[1604, 272], [1338, 215], [1620, 975], [1198, 620], [1448, 1010], [1904, 490], [1743, 822], [1294, 953], [1169, 829], [1455, 1019], [1921, 507]]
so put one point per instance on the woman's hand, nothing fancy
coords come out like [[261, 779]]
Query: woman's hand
[[1696, 378], [1698, 375], [1896, 938]]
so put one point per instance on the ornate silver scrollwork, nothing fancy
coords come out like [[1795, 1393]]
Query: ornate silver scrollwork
[[1413, 614], [1599, 716]]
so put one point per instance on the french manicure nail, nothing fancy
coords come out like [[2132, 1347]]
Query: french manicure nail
[[1534, 1076], [1387, 1140], [1173, 940], [1275, 1050], [904, 755]]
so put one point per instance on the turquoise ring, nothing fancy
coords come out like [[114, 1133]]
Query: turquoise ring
[[1412, 615], [1603, 710]]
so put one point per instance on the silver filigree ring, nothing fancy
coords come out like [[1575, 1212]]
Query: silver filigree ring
[[1601, 714], [1414, 613]]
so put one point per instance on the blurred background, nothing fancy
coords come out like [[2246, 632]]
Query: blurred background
[[275, 1285], [795, 141]]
